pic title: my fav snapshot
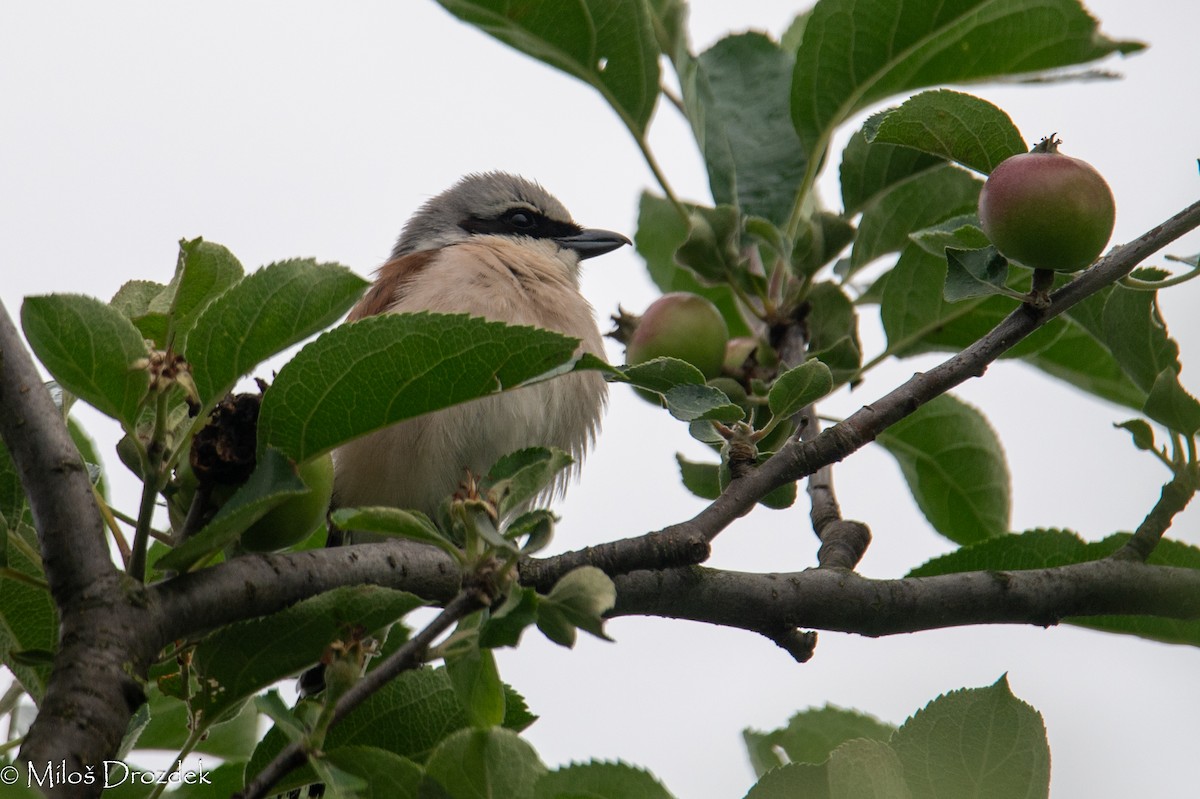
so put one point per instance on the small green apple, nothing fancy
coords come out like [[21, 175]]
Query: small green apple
[[296, 517], [681, 325]]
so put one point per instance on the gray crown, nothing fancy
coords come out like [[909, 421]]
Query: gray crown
[[481, 195]]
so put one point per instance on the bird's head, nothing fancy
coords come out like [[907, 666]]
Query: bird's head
[[500, 204]]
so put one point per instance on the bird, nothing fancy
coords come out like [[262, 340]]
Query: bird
[[497, 246]]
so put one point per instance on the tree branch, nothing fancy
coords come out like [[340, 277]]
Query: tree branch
[[55, 481], [1174, 498], [843, 601], [257, 585], [799, 459], [671, 547], [91, 693], [843, 542]]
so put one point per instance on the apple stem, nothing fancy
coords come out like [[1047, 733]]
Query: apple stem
[[1039, 294]]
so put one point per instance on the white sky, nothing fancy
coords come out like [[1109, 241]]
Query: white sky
[[308, 129]]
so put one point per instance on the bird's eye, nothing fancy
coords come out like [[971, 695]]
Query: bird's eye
[[521, 220]]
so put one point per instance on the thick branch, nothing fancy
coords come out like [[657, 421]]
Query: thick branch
[[257, 585], [90, 694], [56, 483], [670, 548], [843, 601]]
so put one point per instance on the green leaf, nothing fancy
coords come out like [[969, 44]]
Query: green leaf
[[597, 780], [952, 125], [91, 349], [960, 232], [1134, 330], [517, 478], [1033, 549], [1143, 434], [912, 204], [702, 479], [780, 498], [736, 96], [168, 729], [517, 716], [28, 617], [206, 270], [975, 273], [869, 168], [12, 495], [832, 323], [408, 717], [660, 233], [1043, 549], [409, 524], [690, 403], [863, 769], [855, 54], [811, 736], [1171, 405], [240, 660], [608, 44], [662, 374], [90, 454], [918, 319], [798, 388], [504, 625], [273, 481], [133, 300], [384, 774], [712, 249], [474, 764], [476, 682], [955, 467], [224, 780], [535, 526], [793, 781], [980, 742], [820, 239], [263, 314], [670, 27], [366, 375], [578, 600]]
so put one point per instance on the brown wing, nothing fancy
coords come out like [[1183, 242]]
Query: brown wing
[[390, 280]]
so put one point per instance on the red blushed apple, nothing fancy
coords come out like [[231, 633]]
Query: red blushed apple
[[1047, 210]]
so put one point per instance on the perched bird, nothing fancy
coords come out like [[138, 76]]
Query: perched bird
[[501, 247]]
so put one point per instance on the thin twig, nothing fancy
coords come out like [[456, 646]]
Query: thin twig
[[409, 656], [1174, 498]]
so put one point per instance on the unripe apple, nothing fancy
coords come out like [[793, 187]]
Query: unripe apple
[[296, 517], [1047, 210], [681, 325]]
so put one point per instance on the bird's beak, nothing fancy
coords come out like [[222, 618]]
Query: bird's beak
[[592, 241]]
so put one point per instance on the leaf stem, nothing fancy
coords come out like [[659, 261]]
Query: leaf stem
[[9, 573], [194, 737], [656, 170], [1154, 285], [110, 522]]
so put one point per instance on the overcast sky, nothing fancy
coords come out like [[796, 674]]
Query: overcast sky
[[306, 129]]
